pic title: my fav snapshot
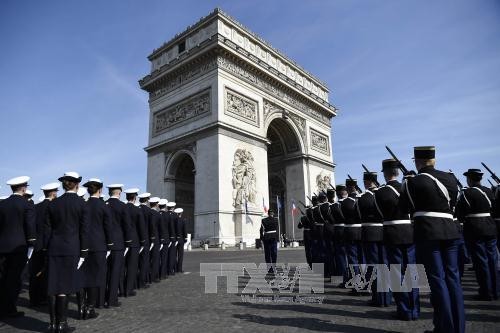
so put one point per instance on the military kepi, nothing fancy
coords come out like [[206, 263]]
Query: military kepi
[[389, 164], [473, 172], [424, 152], [370, 176], [351, 182]]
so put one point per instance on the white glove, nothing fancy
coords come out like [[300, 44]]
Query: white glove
[[176, 242], [30, 252], [142, 248], [169, 244], [161, 247], [125, 253], [80, 262], [152, 244], [107, 254]]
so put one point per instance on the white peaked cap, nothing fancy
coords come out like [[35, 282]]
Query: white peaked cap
[[114, 186], [178, 210], [50, 187], [72, 175], [41, 198], [132, 190], [18, 180], [163, 202], [29, 192], [154, 200], [170, 204], [144, 195], [81, 191]]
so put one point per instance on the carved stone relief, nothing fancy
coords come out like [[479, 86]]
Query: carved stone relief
[[244, 178], [319, 142], [323, 181], [241, 107]]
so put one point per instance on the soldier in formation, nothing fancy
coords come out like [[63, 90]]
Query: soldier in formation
[[90, 248]]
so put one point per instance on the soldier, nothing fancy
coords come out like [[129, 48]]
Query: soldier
[[496, 213], [138, 236], [154, 230], [94, 267], [144, 261], [172, 227], [121, 240], [398, 236], [318, 210], [164, 237], [17, 240], [338, 235], [38, 273], [181, 239], [29, 196], [431, 196], [67, 226], [474, 208], [329, 233], [372, 233], [269, 237], [305, 225], [352, 232]]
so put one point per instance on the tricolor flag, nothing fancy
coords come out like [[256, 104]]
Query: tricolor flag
[[264, 206], [295, 211]]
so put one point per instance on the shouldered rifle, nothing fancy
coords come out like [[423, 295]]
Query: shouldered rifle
[[333, 187], [403, 169], [492, 174], [489, 181], [357, 187], [456, 179], [366, 169]]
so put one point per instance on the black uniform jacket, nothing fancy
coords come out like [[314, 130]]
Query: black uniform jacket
[[17, 224], [41, 214], [67, 226], [146, 214], [138, 229], [371, 222], [269, 228], [339, 221], [432, 207], [352, 231], [164, 227], [474, 208], [121, 224], [181, 229], [398, 229], [100, 225], [154, 227], [306, 226]]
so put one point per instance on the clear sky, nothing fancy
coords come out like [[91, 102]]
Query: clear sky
[[402, 73]]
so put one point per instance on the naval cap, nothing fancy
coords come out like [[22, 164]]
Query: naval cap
[[95, 181], [170, 204], [389, 164], [154, 200], [178, 210], [473, 172], [163, 202], [340, 187], [424, 152], [144, 195], [18, 181], [81, 191], [50, 187], [72, 176], [113, 186], [132, 190], [28, 193]]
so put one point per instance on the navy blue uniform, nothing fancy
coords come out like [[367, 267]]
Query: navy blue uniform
[[269, 236], [318, 234], [340, 255], [165, 241], [181, 238], [474, 208], [17, 232], [137, 236], [305, 225], [38, 273], [172, 250], [154, 232], [352, 233], [144, 261], [431, 197]]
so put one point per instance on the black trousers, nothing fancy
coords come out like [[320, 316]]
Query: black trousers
[[143, 276], [172, 258], [114, 276], [38, 278], [11, 268], [155, 262], [164, 261], [180, 255], [131, 267]]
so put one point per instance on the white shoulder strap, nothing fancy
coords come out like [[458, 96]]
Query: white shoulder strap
[[440, 185], [393, 189], [462, 195], [378, 208], [482, 192], [407, 190]]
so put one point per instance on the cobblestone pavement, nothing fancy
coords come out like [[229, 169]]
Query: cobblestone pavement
[[179, 304]]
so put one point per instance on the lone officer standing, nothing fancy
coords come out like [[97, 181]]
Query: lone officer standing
[[67, 226], [431, 196], [17, 238], [474, 208], [269, 236]]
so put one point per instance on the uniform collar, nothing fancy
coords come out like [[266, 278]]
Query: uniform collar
[[426, 169]]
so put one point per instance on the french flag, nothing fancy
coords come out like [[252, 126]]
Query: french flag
[[264, 206], [294, 208]]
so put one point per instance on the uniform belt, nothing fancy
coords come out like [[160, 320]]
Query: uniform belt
[[307, 229], [339, 225], [370, 224], [478, 215], [497, 219], [319, 223], [269, 232], [394, 222], [356, 225], [433, 214]]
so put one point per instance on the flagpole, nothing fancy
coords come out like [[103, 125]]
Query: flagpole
[[279, 222], [293, 226]]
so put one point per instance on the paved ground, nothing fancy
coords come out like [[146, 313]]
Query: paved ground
[[179, 304]]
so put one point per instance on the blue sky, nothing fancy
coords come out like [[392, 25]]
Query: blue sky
[[402, 73]]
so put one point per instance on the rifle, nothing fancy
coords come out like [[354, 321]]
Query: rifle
[[357, 187], [366, 169], [456, 179], [492, 186], [302, 204], [333, 187], [492, 174], [403, 169]]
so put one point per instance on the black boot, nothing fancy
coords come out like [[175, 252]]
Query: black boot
[[62, 310], [80, 297], [52, 314], [90, 304]]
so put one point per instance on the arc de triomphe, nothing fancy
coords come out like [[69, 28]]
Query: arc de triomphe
[[234, 125]]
